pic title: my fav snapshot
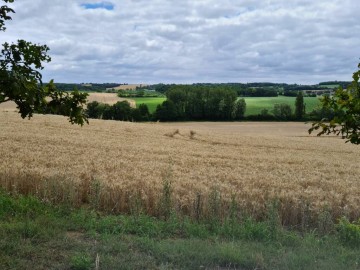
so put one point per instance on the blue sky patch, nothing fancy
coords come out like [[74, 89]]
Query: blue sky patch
[[99, 5]]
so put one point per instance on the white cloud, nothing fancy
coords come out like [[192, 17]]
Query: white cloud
[[193, 41]]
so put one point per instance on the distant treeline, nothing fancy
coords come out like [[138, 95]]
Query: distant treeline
[[250, 89], [343, 84], [138, 93], [120, 111], [93, 87], [294, 87], [264, 89], [203, 103], [200, 103], [240, 89]]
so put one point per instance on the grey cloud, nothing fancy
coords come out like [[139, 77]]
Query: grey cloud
[[193, 41]]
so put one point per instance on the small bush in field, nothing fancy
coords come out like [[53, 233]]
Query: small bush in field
[[349, 233], [81, 262]]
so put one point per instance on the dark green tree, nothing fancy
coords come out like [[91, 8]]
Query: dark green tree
[[144, 112], [122, 111], [282, 111], [299, 106], [135, 115], [226, 105], [107, 111], [178, 95], [318, 114], [345, 104], [167, 111], [93, 110], [239, 109], [21, 80], [195, 106]]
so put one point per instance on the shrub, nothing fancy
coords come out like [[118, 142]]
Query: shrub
[[349, 233], [282, 111], [81, 262]]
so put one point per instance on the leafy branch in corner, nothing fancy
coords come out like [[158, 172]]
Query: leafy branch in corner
[[21, 80], [345, 104]]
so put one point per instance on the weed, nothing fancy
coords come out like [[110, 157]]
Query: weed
[[95, 194], [234, 210], [253, 230], [81, 262], [214, 208], [198, 206], [273, 220], [165, 204], [349, 233], [97, 262], [136, 205], [88, 239], [305, 216], [325, 222]]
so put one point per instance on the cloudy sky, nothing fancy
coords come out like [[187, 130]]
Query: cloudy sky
[[187, 41]]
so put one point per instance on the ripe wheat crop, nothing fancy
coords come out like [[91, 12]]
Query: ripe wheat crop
[[109, 98], [121, 166]]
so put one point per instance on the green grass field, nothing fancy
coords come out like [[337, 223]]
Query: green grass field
[[151, 102], [37, 235], [254, 105], [331, 86]]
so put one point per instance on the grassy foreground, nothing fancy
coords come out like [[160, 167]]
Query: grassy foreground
[[36, 235]]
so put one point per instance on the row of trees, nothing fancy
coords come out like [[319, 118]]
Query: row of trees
[[169, 111], [243, 90], [94, 87], [138, 93], [121, 111], [251, 89], [204, 103], [201, 103]]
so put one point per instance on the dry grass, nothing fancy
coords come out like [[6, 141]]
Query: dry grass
[[109, 98], [129, 86], [8, 106], [114, 165]]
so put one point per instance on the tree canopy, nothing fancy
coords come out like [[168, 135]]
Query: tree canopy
[[299, 106], [345, 105], [21, 80]]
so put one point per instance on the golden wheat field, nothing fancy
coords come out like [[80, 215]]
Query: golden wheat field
[[128, 86], [109, 98], [115, 164]]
